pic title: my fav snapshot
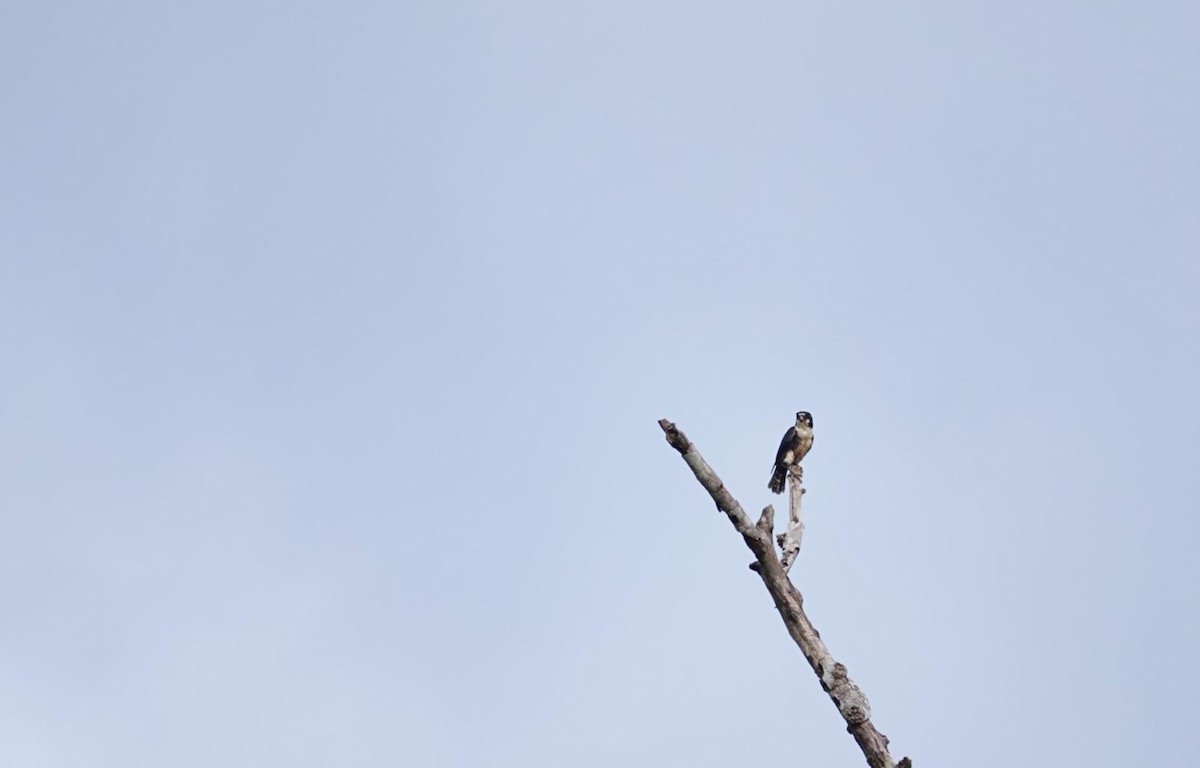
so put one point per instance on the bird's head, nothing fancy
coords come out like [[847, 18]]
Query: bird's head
[[804, 419]]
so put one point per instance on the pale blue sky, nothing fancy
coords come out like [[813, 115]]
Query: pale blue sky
[[335, 337]]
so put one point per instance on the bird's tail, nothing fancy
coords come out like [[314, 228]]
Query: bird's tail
[[777, 478]]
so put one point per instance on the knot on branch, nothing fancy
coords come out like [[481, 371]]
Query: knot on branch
[[850, 700], [855, 714], [677, 439]]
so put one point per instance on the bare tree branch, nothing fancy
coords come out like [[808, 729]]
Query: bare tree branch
[[789, 542], [846, 695]]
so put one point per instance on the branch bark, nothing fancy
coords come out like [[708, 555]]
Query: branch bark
[[789, 542], [845, 694]]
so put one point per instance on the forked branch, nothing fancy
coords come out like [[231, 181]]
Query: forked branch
[[846, 695]]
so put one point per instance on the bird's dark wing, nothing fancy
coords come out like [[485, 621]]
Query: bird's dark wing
[[785, 445]]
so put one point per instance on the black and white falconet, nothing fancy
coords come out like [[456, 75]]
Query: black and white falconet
[[796, 444]]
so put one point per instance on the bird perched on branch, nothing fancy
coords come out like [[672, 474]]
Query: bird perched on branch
[[796, 444]]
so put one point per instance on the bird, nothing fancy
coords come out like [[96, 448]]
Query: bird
[[794, 446]]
